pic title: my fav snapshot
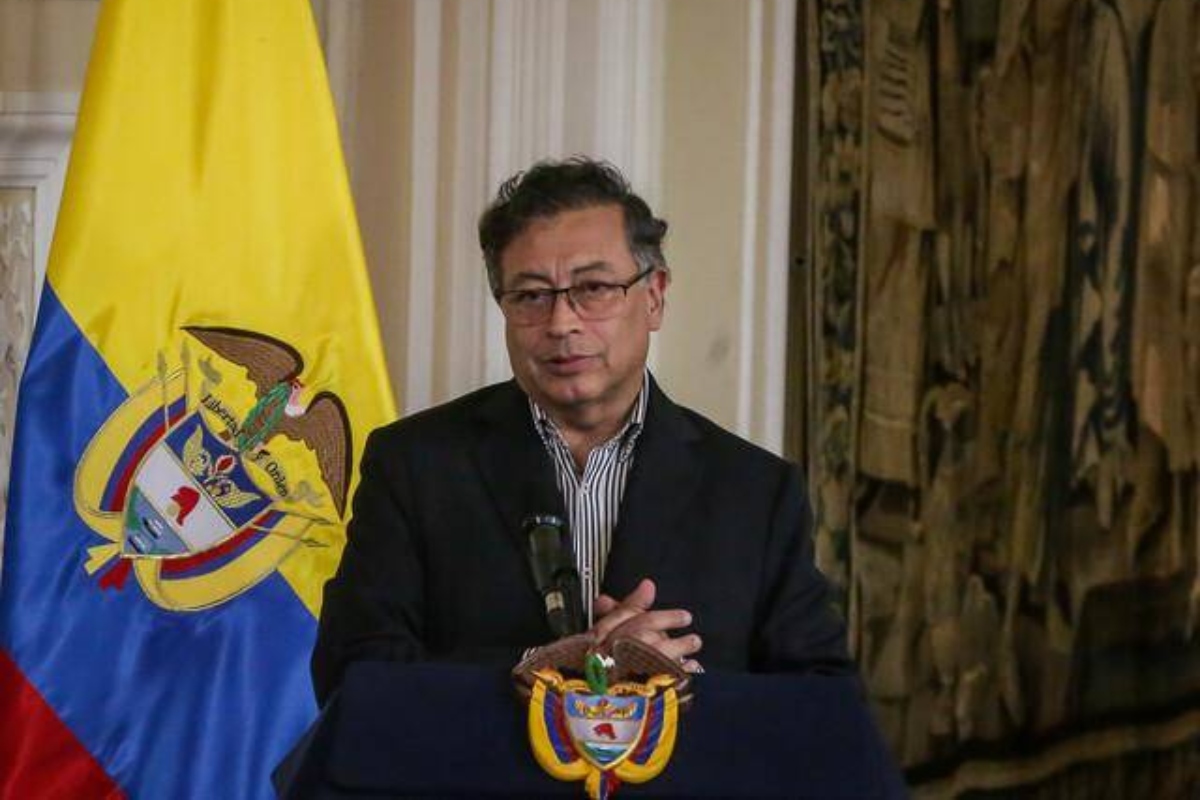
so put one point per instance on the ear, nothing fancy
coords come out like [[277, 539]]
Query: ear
[[658, 284], [656, 293]]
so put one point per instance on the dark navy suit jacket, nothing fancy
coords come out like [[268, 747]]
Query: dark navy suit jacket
[[435, 565]]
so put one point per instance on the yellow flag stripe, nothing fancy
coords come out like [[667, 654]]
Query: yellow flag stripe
[[207, 188]]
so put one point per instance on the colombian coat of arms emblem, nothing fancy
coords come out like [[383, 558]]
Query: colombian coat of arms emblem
[[215, 471], [615, 723]]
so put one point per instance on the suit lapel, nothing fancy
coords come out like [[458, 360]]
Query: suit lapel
[[513, 462], [664, 478], [666, 475]]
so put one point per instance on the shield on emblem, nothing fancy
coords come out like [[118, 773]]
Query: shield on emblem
[[189, 494], [604, 728]]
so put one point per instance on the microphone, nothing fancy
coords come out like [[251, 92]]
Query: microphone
[[554, 572]]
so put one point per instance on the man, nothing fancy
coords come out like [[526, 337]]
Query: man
[[686, 537]]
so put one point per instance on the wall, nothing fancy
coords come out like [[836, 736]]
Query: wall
[[703, 194], [440, 101], [44, 44]]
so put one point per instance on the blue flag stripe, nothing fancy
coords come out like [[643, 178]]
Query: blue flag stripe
[[178, 705]]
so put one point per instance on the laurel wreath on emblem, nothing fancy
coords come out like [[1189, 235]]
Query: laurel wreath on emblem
[[174, 482]]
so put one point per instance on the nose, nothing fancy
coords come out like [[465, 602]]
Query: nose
[[563, 317]]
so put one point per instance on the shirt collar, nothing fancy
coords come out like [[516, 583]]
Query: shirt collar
[[628, 435]]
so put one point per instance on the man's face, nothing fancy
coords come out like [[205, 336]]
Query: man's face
[[581, 370]]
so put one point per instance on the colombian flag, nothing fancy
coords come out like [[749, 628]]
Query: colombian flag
[[204, 370]]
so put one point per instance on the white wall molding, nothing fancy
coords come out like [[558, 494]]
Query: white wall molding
[[766, 221], [495, 87], [466, 303], [751, 265], [35, 140], [423, 212], [626, 118], [35, 144], [527, 112], [625, 122], [340, 25], [777, 190]]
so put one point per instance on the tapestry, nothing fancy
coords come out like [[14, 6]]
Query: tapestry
[[1005, 384]]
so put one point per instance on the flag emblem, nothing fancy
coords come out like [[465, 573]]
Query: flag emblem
[[214, 471]]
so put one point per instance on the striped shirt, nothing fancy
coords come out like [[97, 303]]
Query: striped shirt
[[593, 498]]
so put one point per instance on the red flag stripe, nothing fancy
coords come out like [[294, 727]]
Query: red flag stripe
[[39, 756]]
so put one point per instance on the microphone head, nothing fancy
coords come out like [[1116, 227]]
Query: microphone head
[[548, 550], [553, 564], [537, 520]]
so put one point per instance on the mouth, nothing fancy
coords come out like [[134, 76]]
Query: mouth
[[567, 364]]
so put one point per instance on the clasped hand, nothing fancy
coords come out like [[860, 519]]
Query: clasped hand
[[633, 617]]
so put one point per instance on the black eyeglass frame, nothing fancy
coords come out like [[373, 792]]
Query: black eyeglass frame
[[566, 290]]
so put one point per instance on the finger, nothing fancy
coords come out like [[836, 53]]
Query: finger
[[642, 596], [620, 623], [603, 606], [636, 602], [692, 666], [680, 647], [664, 619], [673, 648], [613, 620], [647, 637]]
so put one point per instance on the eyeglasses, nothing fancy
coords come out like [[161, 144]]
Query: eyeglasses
[[591, 300]]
